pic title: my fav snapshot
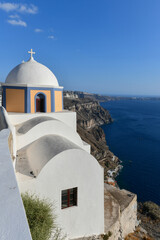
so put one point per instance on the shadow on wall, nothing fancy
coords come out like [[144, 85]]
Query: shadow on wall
[[10, 145], [3, 123]]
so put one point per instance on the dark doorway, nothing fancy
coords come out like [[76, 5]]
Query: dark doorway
[[40, 103]]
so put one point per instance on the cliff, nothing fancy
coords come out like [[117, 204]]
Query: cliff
[[104, 98], [149, 214], [86, 95], [90, 116]]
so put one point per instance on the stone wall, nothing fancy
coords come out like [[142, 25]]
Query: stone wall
[[128, 218], [120, 212]]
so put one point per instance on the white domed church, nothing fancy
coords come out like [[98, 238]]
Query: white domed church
[[31, 87], [49, 157]]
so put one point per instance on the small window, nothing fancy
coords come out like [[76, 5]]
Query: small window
[[69, 198]]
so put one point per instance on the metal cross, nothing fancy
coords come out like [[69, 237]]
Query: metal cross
[[31, 52]]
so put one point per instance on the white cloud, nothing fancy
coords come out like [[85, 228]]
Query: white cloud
[[38, 30], [51, 37], [17, 22], [14, 16], [17, 7], [8, 6], [32, 9]]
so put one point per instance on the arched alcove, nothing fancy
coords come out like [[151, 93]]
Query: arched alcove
[[40, 103]]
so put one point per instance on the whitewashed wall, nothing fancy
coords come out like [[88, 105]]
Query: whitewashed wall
[[46, 128], [0, 95], [68, 117], [13, 222], [69, 169], [12, 131]]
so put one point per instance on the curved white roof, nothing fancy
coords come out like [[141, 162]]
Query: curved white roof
[[32, 72], [37, 127], [37, 154]]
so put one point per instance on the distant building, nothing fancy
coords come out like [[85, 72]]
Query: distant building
[[70, 95]]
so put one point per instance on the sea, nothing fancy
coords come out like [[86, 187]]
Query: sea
[[134, 137]]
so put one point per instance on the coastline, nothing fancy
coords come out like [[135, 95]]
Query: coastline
[[90, 130], [148, 211], [91, 116]]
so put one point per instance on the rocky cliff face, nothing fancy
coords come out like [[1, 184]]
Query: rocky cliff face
[[89, 113], [149, 214], [90, 116]]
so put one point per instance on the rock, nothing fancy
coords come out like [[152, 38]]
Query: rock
[[142, 230], [90, 116], [89, 113], [149, 215], [151, 210]]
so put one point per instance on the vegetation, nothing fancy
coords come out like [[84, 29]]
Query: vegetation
[[152, 210], [137, 235], [107, 236], [40, 218]]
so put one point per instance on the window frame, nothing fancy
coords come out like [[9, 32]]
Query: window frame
[[75, 198]]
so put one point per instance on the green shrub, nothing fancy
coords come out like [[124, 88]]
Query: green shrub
[[40, 218], [107, 236], [152, 210]]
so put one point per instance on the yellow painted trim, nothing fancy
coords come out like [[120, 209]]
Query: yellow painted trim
[[15, 100], [58, 101], [48, 99]]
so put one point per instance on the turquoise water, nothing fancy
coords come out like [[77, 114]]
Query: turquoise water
[[134, 137]]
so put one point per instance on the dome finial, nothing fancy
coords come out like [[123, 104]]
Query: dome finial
[[31, 52]]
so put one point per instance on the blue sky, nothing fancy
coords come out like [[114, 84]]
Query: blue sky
[[99, 46]]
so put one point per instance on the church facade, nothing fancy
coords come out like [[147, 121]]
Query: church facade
[[50, 158], [31, 87]]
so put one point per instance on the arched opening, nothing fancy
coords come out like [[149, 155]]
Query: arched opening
[[40, 103]]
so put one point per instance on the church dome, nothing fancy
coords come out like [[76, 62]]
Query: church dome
[[32, 72]]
